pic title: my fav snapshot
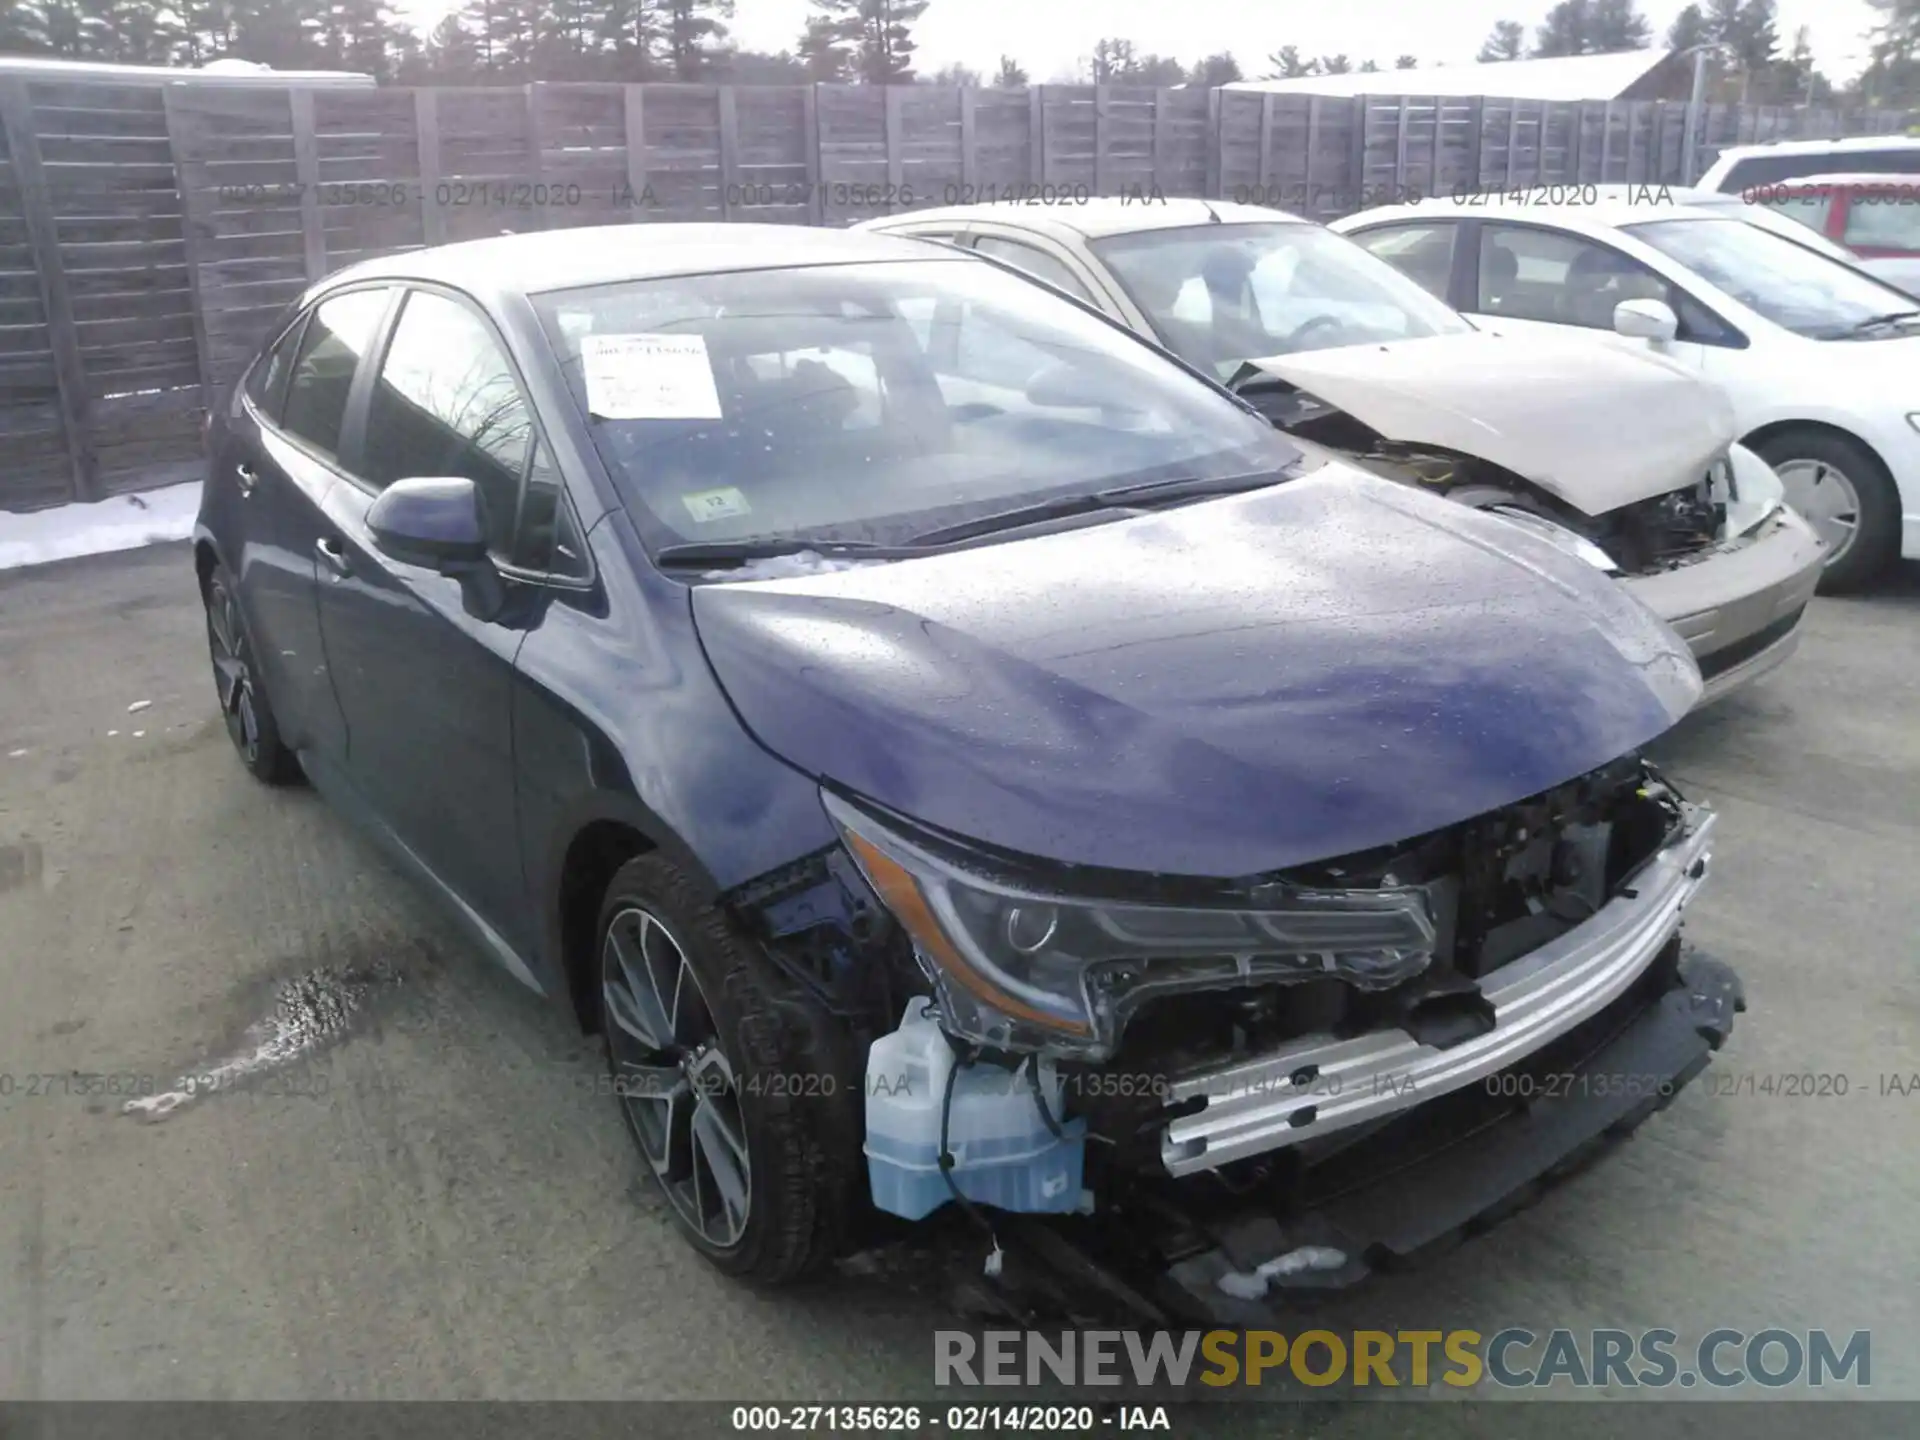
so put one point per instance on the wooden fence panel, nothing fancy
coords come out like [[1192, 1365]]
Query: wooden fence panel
[[853, 151], [246, 206], [683, 152], [1003, 145], [1069, 125], [773, 170], [43, 442]]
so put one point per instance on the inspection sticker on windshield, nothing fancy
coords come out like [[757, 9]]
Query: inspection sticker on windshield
[[649, 377], [722, 504]]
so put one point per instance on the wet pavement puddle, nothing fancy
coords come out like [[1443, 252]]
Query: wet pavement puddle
[[310, 1012]]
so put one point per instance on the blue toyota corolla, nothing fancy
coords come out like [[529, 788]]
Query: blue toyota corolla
[[960, 759]]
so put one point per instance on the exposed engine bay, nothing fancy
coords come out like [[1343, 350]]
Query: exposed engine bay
[[1645, 537], [1572, 893], [1498, 888], [1493, 889]]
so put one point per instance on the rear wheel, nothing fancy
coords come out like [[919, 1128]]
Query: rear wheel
[[243, 698], [1847, 496], [729, 1080]]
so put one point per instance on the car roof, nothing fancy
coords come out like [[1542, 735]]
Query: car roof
[[1097, 216], [1611, 206], [606, 254], [1877, 180], [1839, 145]]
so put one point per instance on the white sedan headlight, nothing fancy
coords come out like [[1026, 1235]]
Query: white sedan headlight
[[1559, 536], [1757, 492]]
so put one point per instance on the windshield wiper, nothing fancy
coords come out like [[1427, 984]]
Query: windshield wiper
[[1877, 322], [1086, 502], [718, 554]]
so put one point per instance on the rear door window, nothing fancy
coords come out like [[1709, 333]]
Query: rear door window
[[1423, 252], [340, 331]]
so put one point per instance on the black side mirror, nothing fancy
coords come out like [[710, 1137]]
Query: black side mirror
[[435, 521], [439, 522]]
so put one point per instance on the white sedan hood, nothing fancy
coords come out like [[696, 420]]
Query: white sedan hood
[[1596, 427]]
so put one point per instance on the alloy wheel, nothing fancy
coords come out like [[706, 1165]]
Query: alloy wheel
[[673, 1078], [232, 677], [1827, 498]]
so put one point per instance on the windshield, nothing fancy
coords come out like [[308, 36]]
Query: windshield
[[1222, 294], [1792, 286], [1798, 220], [871, 403]]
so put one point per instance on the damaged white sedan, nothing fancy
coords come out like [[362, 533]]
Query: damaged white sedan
[[1625, 460]]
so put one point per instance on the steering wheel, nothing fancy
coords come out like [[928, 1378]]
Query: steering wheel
[[1297, 339]]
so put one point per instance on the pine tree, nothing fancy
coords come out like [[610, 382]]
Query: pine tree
[[1111, 59], [209, 30], [1215, 71], [127, 32], [826, 50], [630, 39], [695, 30], [1507, 42], [1335, 65], [273, 32], [357, 35], [1010, 76], [1288, 65], [1407, 62], [1567, 30], [23, 30], [1618, 25], [880, 33], [451, 55], [62, 29], [1689, 29]]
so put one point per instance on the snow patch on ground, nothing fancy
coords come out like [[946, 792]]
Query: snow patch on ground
[[123, 523]]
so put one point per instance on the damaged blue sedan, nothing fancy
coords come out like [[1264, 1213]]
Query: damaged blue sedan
[[968, 767]]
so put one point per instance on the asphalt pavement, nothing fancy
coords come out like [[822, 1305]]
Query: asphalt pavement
[[458, 1215]]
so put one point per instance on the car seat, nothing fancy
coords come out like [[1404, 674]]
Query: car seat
[[1597, 281]]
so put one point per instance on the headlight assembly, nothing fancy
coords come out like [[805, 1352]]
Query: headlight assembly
[[1557, 535], [1027, 969]]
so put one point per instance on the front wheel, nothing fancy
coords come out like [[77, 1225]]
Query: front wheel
[[243, 697], [1847, 496], [728, 1078]]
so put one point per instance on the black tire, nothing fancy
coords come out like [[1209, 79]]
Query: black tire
[[790, 1079], [240, 690], [1876, 539]]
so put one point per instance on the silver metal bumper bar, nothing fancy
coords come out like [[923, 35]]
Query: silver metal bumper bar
[[1256, 1106]]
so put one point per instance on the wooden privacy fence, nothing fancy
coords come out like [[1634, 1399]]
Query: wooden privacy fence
[[149, 233]]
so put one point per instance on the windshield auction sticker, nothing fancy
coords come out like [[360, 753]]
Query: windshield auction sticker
[[649, 377]]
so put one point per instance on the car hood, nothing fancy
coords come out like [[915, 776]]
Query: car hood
[[1594, 426], [1224, 689]]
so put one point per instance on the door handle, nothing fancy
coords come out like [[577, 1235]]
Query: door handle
[[248, 476], [329, 550]]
